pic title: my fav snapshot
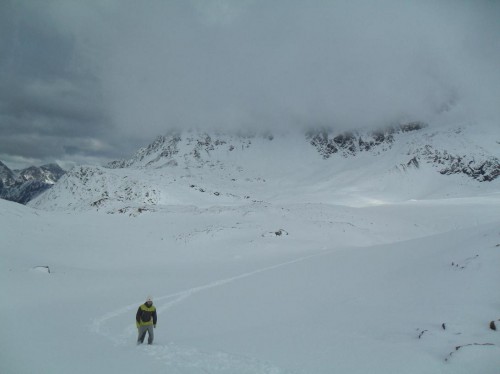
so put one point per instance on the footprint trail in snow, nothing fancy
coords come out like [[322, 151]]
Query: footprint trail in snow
[[189, 359]]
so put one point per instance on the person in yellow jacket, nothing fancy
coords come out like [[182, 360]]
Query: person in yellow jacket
[[146, 321]]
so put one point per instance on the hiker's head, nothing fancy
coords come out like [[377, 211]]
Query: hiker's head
[[149, 301]]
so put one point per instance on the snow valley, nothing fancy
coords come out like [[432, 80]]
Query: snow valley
[[319, 253]]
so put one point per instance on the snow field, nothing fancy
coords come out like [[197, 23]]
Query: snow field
[[343, 289]]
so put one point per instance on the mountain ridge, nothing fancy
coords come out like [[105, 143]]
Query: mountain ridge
[[198, 168], [23, 185], [482, 167]]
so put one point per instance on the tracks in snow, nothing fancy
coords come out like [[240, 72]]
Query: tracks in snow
[[182, 359]]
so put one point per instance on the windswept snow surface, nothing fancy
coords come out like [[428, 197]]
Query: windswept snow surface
[[344, 288]]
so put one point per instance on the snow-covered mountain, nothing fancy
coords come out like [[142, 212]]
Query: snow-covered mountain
[[23, 185], [325, 252], [448, 151], [410, 161], [7, 176], [48, 174]]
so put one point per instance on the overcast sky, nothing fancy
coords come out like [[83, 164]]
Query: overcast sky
[[89, 81]]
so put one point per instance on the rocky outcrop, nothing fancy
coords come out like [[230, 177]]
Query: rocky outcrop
[[350, 143], [482, 170], [482, 167], [23, 185]]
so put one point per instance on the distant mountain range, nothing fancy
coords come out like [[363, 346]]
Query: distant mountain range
[[479, 165], [23, 185], [401, 162]]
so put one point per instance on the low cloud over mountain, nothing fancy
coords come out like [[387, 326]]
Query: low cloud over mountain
[[92, 81]]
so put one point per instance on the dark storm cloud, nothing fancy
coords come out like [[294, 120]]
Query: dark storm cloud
[[48, 97], [100, 78]]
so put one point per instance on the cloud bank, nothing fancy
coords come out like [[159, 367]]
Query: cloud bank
[[96, 79]]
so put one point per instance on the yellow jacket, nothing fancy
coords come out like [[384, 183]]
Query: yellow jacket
[[146, 316]]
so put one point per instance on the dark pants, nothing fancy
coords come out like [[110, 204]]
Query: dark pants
[[142, 334]]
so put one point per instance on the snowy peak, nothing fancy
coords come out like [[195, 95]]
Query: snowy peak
[[7, 177], [189, 149], [162, 147], [23, 185], [49, 174]]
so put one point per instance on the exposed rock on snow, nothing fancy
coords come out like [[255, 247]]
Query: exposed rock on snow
[[276, 233], [457, 348], [351, 143], [493, 325], [42, 269], [484, 169]]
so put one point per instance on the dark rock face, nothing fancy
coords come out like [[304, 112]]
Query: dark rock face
[[27, 191], [486, 171], [351, 143], [23, 185], [448, 164]]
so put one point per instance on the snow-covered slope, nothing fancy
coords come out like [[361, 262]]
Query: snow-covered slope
[[276, 287], [399, 163], [359, 252]]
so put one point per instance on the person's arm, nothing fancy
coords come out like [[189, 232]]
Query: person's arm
[[138, 317], [154, 318]]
